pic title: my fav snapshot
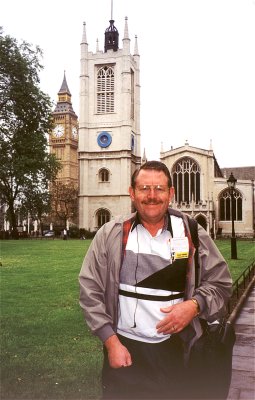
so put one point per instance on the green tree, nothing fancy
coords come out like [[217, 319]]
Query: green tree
[[37, 204], [25, 119]]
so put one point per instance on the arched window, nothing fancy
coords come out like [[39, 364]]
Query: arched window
[[225, 206], [105, 90], [103, 216], [104, 175], [186, 180]]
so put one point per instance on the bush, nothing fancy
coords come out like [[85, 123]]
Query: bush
[[74, 232], [85, 234]]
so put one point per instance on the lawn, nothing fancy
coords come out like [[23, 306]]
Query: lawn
[[47, 352], [245, 255]]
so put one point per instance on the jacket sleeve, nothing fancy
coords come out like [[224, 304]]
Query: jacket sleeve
[[93, 284], [215, 282]]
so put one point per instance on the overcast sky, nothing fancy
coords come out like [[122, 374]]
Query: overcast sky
[[197, 67]]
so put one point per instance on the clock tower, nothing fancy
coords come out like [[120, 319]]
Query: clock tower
[[63, 139], [109, 127]]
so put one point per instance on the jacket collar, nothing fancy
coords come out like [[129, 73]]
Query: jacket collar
[[167, 223]]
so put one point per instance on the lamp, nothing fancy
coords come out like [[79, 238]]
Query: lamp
[[232, 184]]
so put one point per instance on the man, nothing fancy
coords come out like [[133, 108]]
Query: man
[[138, 296]]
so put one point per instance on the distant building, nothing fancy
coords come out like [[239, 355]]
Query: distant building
[[109, 127], [201, 191], [63, 140]]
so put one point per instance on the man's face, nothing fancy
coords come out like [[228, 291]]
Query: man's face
[[151, 195]]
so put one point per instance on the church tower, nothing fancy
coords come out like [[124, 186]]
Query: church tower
[[109, 127], [63, 140]]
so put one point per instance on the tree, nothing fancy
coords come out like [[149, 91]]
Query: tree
[[38, 205], [25, 119], [64, 202]]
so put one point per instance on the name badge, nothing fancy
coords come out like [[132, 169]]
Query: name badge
[[179, 248]]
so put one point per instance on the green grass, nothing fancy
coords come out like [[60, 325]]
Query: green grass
[[245, 255], [47, 351]]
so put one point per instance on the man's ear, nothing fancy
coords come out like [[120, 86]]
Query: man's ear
[[131, 193], [171, 193]]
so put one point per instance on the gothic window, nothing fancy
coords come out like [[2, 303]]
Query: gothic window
[[104, 175], [103, 216], [225, 206], [186, 180], [105, 90]]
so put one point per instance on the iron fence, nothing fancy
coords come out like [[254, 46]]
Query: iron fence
[[240, 285]]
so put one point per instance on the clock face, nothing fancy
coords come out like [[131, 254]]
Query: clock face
[[59, 131], [74, 133], [104, 139]]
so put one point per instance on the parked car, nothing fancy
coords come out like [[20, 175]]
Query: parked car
[[49, 234]]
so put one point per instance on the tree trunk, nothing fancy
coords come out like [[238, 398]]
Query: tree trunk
[[13, 221]]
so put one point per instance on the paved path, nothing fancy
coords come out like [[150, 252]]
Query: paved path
[[243, 372]]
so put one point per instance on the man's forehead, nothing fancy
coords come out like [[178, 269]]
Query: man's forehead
[[151, 175]]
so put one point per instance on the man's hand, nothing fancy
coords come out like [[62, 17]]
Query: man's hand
[[118, 355], [178, 316]]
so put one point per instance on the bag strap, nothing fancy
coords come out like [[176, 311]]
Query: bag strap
[[194, 236]]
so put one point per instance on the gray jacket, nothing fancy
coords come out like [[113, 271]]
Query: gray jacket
[[99, 281]]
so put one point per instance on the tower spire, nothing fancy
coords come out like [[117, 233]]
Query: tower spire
[[111, 35], [126, 36], [136, 52], [84, 34], [64, 103], [126, 40], [64, 87]]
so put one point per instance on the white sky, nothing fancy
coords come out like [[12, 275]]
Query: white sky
[[197, 68]]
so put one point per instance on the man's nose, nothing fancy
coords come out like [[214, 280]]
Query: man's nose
[[152, 192]]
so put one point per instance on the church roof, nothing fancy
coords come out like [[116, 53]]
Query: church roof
[[246, 173]]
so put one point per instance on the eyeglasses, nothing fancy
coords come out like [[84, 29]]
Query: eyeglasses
[[159, 189]]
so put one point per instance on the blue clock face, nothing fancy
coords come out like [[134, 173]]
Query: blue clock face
[[104, 139]]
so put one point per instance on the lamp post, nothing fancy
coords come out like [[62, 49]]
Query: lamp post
[[232, 184]]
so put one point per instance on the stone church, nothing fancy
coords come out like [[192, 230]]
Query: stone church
[[201, 190], [107, 149], [109, 127]]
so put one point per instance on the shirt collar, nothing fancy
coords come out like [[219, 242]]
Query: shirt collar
[[167, 223]]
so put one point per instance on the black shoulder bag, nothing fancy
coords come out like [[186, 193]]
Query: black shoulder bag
[[210, 363]]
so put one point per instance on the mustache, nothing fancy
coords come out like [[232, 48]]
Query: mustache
[[152, 202]]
